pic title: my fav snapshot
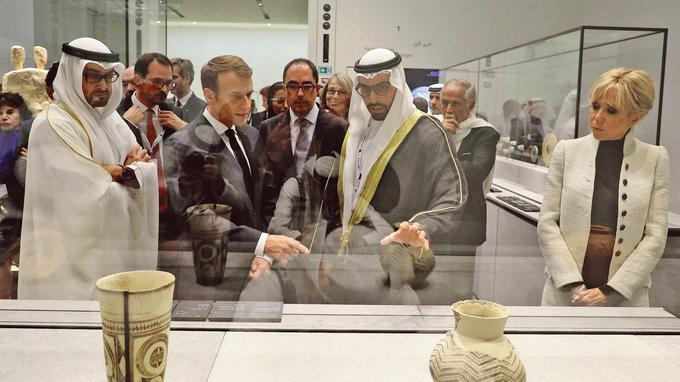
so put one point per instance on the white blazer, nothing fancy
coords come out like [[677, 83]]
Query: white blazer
[[564, 222]]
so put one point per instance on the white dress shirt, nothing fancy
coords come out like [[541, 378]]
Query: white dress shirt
[[221, 130], [142, 124]]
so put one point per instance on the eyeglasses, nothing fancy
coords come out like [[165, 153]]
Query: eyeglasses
[[94, 77], [157, 82], [278, 100], [306, 87], [332, 92], [380, 89]]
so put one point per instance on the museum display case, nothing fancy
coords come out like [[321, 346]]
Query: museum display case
[[297, 322], [536, 94]]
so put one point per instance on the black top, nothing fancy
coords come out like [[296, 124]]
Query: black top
[[606, 189]]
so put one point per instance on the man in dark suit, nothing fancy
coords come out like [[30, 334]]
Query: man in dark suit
[[475, 141], [185, 99], [146, 107], [303, 131], [152, 121], [214, 160]]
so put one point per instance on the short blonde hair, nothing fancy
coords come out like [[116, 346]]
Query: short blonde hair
[[634, 89], [221, 64], [345, 83]]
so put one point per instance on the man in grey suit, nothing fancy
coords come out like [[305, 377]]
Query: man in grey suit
[[214, 160], [185, 99]]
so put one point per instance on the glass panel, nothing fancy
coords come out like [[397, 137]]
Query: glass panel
[[59, 21], [607, 50], [523, 91], [468, 71]]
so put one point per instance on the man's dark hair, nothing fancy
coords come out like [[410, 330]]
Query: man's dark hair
[[223, 64], [143, 62], [51, 75], [303, 61], [421, 104], [186, 68]]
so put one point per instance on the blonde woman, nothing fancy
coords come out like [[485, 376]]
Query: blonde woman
[[337, 94], [603, 222]]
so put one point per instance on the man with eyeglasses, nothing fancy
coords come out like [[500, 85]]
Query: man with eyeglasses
[[292, 137], [91, 202], [475, 140], [153, 120], [401, 187]]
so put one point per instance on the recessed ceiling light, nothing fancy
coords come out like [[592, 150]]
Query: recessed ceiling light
[[268, 24], [158, 22], [193, 22]]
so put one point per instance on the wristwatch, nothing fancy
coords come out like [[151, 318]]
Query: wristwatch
[[128, 175]]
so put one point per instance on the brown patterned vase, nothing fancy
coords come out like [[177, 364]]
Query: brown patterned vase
[[476, 349], [135, 309]]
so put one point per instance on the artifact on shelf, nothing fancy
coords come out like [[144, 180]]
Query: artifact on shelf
[[28, 82], [135, 309], [476, 349], [209, 230], [549, 143]]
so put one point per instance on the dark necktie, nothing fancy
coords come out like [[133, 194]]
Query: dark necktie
[[302, 144], [178, 104], [241, 158]]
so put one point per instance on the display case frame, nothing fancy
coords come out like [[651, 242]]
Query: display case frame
[[589, 50]]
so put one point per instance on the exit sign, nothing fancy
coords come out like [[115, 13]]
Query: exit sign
[[325, 70]]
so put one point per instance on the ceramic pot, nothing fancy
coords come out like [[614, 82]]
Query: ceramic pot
[[476, 349], [209, 230], [135, 309]]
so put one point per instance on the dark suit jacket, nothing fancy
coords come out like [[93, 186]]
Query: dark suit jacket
[[126, 103], [477, 155], [245, 215], [278, 158], [192, 109], [257, 118]]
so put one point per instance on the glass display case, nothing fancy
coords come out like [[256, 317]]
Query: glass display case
[[536, 94]]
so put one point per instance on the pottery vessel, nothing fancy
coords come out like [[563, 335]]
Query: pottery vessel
[[209, 230], [135, 309], [476, 349]]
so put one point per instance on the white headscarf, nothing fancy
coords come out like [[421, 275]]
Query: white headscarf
[[359, 118], [104, 126]]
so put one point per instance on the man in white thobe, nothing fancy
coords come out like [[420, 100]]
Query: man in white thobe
[[91, 204]]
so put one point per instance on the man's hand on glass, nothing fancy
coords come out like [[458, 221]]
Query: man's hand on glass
[[283, 248], [411, 234]]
